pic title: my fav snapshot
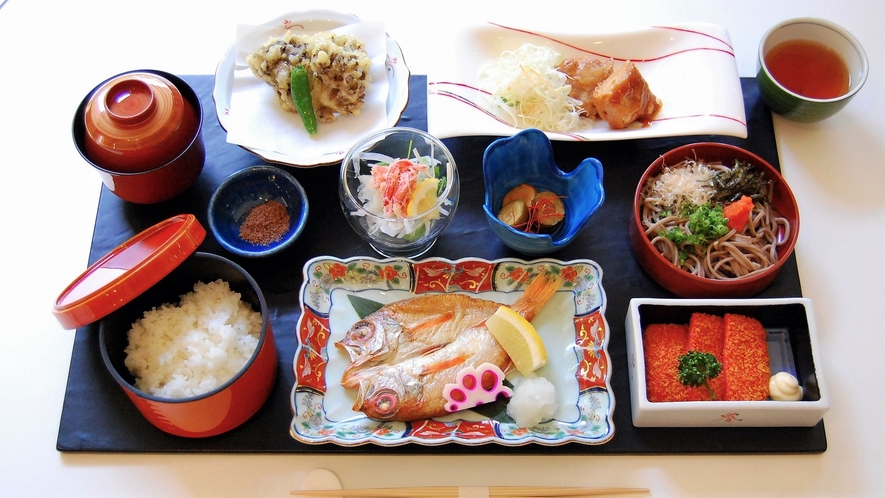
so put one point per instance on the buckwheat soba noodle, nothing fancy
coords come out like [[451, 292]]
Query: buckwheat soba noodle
[[682, 213]]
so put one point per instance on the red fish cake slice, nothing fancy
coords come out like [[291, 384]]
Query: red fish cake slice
[[662, 344], [745, 361], [706, 333]]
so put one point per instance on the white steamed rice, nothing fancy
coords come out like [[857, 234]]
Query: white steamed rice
[[184, 350]]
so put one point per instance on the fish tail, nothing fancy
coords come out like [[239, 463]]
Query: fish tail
[[536, 295]]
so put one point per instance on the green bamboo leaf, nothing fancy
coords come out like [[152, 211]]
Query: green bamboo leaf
[[363, 307]]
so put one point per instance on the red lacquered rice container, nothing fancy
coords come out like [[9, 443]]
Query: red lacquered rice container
[[155, 267]]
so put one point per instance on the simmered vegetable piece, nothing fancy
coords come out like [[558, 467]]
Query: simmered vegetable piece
[[527, 209]]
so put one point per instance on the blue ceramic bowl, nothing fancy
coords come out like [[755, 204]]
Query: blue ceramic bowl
[[242, 191], [527, 157]]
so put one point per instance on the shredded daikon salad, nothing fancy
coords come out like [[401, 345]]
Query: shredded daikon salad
[[528, 90], [403, 195]]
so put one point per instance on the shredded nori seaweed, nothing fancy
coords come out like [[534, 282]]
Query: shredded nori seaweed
[[742, 179]]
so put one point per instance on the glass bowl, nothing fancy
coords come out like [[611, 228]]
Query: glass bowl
[[399, 189]]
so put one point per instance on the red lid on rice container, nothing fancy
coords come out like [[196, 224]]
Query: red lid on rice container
[[127, 271]]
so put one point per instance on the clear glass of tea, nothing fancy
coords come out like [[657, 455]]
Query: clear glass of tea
[[808, 69]]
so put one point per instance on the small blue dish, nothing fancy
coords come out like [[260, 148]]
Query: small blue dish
[[527, 157], [242, 191]]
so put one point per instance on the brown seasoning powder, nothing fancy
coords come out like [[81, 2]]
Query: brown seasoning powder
[[266, 223]]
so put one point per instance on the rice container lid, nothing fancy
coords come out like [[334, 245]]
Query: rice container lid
[[128, 270]]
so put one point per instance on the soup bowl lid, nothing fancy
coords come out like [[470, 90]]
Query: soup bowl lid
[[137, 121]]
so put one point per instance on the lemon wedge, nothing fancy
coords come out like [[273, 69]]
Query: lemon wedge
[[519, 339], [423, 198]]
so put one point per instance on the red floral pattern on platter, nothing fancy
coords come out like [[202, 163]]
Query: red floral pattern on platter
[[590, 333], [569, 273], [337, 270], [310, 364], [519, 275], [463, 429], [440, 276]]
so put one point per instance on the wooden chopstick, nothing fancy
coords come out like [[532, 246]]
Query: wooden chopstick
[[453, 491]]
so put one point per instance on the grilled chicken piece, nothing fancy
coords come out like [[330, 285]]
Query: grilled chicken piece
[[584, 75], [624, 97]]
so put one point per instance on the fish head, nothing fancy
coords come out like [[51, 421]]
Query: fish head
[[380, 396], [366, 337]]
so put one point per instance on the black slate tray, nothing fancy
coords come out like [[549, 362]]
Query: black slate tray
[[97, 417]]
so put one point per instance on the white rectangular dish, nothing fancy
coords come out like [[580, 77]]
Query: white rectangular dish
[[792, 346], [691, 67]]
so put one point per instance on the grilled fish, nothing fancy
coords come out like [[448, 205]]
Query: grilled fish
[[404, 354]]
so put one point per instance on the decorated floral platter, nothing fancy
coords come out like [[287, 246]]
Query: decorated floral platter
[[572, 324]]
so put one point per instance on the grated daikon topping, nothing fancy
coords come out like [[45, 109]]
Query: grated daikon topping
[[685, 183]]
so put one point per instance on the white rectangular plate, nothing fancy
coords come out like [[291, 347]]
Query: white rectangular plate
[[690, 67]]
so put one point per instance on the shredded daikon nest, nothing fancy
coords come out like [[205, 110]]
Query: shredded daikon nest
[[686, 183], [528, 90]]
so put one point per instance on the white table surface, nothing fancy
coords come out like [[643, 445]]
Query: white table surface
[[53, 53]]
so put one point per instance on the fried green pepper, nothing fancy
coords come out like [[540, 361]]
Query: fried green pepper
[[299, 86]]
